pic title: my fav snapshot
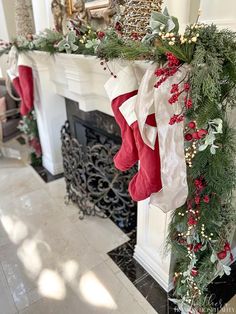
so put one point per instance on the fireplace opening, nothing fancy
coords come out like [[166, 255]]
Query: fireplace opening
[[90, 140]]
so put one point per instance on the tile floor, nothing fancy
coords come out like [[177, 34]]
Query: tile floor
[[50, 261]]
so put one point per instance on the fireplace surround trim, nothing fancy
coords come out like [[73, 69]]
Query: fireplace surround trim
[[54, 82]]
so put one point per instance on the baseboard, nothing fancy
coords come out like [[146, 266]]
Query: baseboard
[[53, 168]]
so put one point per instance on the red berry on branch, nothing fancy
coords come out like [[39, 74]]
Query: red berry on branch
[[180, 118], [206, 199], [159, 72], [192, 221], [192, 125], [173, 119], [197, 200], [196, 136], [188, 137], [222, 255], [190, 246], [174, 98], [202, 133], [174, 89], [188, 103], [100, 35], [186, 87], [227, 246], [198, 184], [197, 247]]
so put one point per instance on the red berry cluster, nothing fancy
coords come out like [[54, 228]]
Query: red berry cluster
[[164, 73], [100, 35], [168, 70], [176, 118], [197, 247], [193, 133], [176, 92], [227, 249], [193, 205]]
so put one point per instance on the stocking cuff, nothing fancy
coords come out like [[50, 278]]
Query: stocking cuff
[[127, 110], [125, 82]]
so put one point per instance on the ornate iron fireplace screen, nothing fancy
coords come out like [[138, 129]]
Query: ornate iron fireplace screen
[[92, 181]]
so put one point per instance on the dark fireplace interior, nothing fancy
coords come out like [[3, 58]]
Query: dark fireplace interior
[[89, 142]]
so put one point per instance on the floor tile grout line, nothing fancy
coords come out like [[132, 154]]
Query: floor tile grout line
[[8, 287]]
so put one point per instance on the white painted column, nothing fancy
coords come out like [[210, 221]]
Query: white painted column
[[51, 113], [150, 250], [42, 14]]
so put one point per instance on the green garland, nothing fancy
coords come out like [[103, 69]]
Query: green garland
[[200, 230]]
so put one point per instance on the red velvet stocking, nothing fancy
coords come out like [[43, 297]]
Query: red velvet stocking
[[127, 156], [148, 178], [27, 86]]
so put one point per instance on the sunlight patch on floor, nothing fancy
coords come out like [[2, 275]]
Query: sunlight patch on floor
[[51, 285], [30, 257], [70, 270], [95, 293], [15, 228]]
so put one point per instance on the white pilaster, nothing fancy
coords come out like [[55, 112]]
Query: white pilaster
[[150, 250], [51, 114]]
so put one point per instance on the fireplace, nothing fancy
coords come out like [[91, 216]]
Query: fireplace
[[89, 142]]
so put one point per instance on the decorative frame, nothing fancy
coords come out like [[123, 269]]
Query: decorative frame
[[89, 4]]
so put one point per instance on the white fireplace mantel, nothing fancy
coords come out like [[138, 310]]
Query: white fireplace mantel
[[82, 79]]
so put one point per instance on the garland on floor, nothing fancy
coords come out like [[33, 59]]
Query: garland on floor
[[200, 230]]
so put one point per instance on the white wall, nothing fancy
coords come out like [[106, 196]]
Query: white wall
[[222, 13], [185, 10], [42, 14], [9, 7], [3, 24], [7, 28]]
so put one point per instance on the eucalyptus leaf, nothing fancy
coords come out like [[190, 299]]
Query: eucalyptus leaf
[[227, 270], [213, 258]]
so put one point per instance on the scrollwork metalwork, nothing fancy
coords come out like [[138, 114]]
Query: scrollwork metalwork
[[92, 181]]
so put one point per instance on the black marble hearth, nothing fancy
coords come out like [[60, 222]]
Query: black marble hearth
[[221, 289], [45, 174]]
